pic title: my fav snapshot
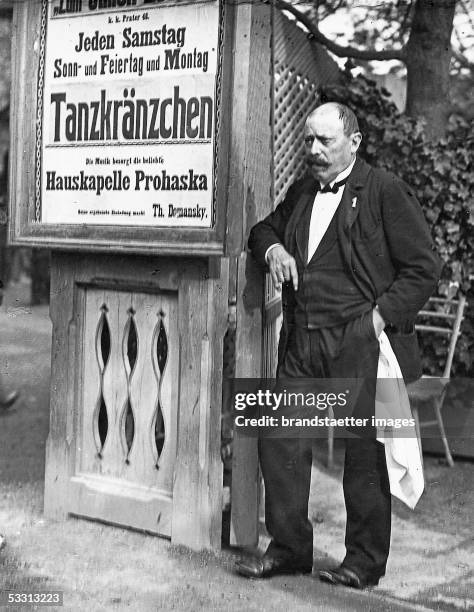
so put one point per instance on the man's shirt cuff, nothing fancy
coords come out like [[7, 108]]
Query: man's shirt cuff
[[270, 248]]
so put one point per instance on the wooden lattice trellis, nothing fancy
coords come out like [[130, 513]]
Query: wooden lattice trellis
[[300, 66], [295, 96]]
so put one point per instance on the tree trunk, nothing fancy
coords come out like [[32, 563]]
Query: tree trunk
[[428, 54]]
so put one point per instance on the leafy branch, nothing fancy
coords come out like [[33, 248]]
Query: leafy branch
[[340, 50]]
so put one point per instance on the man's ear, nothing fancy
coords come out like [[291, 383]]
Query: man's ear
[[356, 139]]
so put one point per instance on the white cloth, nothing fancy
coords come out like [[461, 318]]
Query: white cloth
[[324, 209], [403, 457]]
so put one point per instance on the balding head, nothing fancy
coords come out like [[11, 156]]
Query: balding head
[[343, 112]]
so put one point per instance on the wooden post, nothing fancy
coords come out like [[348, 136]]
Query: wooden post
[[250, 187], [197, 496], [59, 458]]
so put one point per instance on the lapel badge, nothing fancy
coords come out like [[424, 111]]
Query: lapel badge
[[354, 201]]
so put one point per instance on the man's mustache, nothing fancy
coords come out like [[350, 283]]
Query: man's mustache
[[318, 162]]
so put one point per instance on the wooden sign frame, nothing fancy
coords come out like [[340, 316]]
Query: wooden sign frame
[[27, 229]]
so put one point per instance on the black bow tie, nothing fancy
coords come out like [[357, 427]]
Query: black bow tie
[[334, 188]]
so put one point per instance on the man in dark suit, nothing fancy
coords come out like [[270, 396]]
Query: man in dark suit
[[351, 248]]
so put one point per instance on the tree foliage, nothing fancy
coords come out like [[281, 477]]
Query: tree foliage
[[417, 33], [439, 172]]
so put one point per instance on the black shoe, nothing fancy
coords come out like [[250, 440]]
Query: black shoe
[[9, 401], [272, 565], [346, 577]]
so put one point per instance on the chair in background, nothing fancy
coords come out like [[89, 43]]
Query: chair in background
[[443, 317]]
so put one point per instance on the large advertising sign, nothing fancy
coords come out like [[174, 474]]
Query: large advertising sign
[[128, 100]]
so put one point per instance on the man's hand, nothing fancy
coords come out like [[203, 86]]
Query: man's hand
[[282, 267], [378, 322]]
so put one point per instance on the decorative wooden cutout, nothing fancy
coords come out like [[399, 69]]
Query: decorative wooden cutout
[[129, 353], [159, 359], [100, 418]]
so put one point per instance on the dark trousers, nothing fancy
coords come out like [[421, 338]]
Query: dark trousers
[[347, 351]]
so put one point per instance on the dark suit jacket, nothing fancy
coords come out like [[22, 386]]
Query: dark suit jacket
[[387, 249]]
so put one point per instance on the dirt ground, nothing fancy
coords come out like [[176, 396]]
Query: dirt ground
[[102, 567]]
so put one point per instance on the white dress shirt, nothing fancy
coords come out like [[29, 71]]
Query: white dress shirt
[[324, 209]]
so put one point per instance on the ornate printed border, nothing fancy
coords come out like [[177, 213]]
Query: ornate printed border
[[39, 112]]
